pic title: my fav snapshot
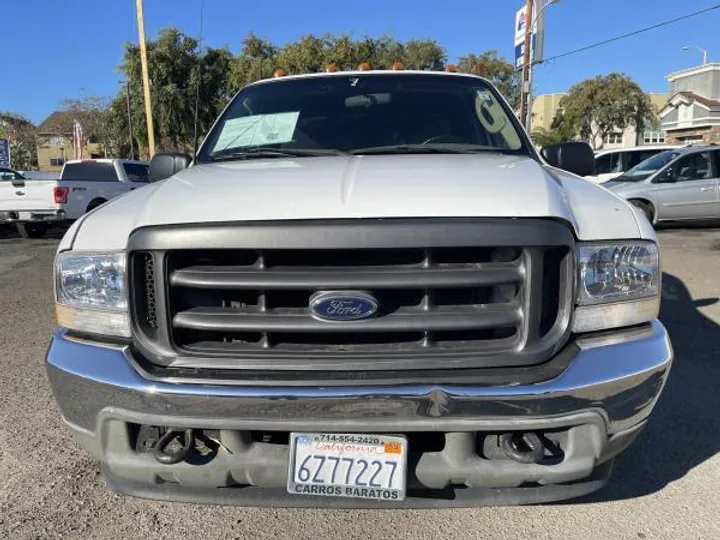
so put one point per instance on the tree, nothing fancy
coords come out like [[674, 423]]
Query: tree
[[176, 64], [255, 61], [497, 70], [560, 131], [258, 58], [599, 106], [21, 134]]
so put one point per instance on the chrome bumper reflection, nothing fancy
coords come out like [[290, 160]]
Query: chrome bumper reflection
[[619, 376]]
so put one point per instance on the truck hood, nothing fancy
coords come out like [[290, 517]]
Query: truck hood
[[390, 186]]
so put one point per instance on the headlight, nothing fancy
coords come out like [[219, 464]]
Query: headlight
[[618, 285], [91, 293]]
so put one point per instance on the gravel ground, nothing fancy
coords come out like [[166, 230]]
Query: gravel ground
[[667, 485]]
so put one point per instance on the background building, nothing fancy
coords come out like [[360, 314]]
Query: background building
[[546, 106], [55, 142], [692, 113]]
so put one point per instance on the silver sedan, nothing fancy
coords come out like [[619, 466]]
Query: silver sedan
[[675, 185]]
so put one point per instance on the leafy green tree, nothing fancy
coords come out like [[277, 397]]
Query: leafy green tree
[[424, 54], [560, 131], [304, 56], [21, 134], [175, 64], [604, 104], [311, 54], [257, 60], [497, 70]]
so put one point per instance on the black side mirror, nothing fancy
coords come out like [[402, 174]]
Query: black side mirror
[[575, 157], [165, 165], [666, 177]]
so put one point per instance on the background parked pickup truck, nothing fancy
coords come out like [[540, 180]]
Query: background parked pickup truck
[[83, 185]]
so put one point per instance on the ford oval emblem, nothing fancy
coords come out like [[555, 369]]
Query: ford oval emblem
[[343, 306]]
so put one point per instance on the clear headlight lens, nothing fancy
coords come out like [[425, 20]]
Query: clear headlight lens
[[610, 273], [91, 280], [91, 293], [618, 285]]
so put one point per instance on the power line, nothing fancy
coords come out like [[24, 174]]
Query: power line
[[630, 34]]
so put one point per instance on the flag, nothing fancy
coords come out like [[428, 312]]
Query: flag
[[77, 139]]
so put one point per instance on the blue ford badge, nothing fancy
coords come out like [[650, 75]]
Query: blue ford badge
[[343, 305]]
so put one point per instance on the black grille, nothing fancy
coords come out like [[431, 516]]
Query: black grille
[[249, 307]]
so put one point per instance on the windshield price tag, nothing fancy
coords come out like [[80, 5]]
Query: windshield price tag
[[257, 130], [348, 465]]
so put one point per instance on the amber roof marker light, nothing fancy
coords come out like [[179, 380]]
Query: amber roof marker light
[[279, 73], [364, 66]]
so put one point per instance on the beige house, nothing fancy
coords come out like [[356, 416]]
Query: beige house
[[55, 142], [546, 106]]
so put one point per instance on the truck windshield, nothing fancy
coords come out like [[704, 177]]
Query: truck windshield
[[650, 166], [357, 113]]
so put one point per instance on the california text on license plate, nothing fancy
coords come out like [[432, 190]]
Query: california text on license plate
[[347, 465]]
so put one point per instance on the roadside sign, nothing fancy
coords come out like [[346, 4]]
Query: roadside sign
[[4, 153], [536, 41]]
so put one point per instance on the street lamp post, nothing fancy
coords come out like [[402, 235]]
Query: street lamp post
[[527, 79], [703, 51]]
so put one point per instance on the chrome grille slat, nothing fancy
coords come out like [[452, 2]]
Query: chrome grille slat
[[226, 277], [220, 319]]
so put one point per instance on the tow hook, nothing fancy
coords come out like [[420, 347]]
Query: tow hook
[[174, 446], [522, 447]]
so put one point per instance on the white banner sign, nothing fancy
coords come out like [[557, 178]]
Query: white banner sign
[[537, 36]]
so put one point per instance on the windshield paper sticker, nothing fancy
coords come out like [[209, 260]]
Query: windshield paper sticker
[[258, 130]]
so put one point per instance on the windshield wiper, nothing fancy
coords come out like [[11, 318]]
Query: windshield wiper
[[426, 149], [262, 152]]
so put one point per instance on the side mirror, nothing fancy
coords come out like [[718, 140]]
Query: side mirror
[[575, 157], [666, 177], [165, 165]]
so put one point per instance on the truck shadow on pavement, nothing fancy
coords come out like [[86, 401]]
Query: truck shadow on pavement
[[684, 429]]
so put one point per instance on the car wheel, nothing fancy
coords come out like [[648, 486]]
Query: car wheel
[[647, 209], [31, 230]]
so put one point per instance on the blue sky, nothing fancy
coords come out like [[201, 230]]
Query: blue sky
[[59, 49]]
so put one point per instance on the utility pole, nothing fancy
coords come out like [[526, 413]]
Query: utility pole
[[146, 78], [526, 61], [127, 99]]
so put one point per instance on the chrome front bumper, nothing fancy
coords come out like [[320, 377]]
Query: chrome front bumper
[[613, 382]]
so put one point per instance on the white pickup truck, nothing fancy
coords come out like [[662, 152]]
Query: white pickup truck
[[83, 185], [367, 289]]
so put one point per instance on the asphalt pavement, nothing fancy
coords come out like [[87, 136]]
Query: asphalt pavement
[[666, 486]]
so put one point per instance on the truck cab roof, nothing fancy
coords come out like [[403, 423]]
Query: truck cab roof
[[105, 160]]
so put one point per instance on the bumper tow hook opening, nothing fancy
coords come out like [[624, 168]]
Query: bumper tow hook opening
[[174, 446], [522, 447]]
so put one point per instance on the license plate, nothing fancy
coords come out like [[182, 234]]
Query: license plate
[[347, 465]]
